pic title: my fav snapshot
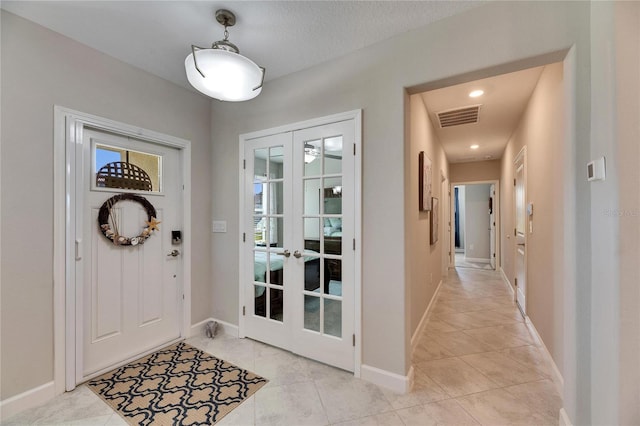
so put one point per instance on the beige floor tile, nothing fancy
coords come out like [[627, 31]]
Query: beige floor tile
[[80, 404], [436, 325], [443, 413], [385, 419], [428, 350], [476, 319], [456, 377], [350, 399], [244, 414], [496, 337], [529, 404], [501, 369], [521, 331], [295, 404], [459, 343], [424, 390], [530, 356], [281, 368]]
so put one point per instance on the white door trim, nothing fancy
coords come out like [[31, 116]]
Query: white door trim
[[356, 116], [496, 208], [68, 127]]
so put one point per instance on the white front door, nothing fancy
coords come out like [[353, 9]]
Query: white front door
[[520, 196], [130, 297], [299, 223]]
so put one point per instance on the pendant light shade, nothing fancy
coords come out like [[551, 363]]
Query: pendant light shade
[[221, 72]]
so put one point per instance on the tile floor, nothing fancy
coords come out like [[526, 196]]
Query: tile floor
[[476, 363]]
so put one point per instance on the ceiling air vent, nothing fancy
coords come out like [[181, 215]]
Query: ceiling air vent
[[459, 116]]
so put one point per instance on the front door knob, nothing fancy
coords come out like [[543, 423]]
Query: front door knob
[[174, 253]]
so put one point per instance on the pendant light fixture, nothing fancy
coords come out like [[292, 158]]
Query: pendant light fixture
[[221, 72]]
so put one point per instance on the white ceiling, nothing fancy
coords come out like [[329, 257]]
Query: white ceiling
[[285, 37], [504, 100], [282, 36]]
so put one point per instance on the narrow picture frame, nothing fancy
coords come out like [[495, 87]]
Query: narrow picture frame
[[435, 220], [425, 169]]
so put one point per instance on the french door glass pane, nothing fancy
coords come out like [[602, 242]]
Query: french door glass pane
[[276, 158], [312, 197], [260, 301], [312, 313], [260, 266], [333, 155], [333, 195], [260, 162], [275, 231], [276, 265], [312, 162], [275, 198], [275, 304], [312, 273], [333, 317]]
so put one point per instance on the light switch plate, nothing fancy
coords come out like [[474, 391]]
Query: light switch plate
[[219, 226]]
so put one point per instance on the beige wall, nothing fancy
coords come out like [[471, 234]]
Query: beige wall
[[375, 79], [423, 261], [541, 131], [627, 42], [475, 172], [41, 69]]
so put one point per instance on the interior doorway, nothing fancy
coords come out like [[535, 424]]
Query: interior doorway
[[474, 227]]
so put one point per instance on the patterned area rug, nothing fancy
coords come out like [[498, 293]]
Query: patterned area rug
[[178, 385]]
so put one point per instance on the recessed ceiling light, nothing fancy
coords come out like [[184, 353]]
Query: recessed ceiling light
[[476, 93], [474, 146]]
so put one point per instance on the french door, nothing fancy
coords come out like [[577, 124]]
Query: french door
[[299, 233]]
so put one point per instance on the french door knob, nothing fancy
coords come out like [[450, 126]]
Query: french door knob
[[287, 253], [297, 254]]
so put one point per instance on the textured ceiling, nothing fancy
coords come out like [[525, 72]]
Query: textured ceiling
[[282, 36], [505, 99]]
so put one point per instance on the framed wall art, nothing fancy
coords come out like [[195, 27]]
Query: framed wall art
[[425, 169], [435, 223]]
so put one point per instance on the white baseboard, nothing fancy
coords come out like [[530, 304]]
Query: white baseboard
[[392, 381], [26, 400], [564, 418], [477, 259], [423, 322], [507, 282], [224, 327], [556, 376]]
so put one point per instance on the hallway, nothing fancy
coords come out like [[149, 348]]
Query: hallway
[[476, 347]]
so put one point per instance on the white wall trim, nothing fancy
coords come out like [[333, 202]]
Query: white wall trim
[[564, 418], [68, 127], [224, 327], [26, 400], [507, 282], [556, 376], [392, 381], [423, 322]]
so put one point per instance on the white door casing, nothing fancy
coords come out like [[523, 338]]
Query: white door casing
[[69, 126], [297, 279], [520, 228], [130, 297]]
